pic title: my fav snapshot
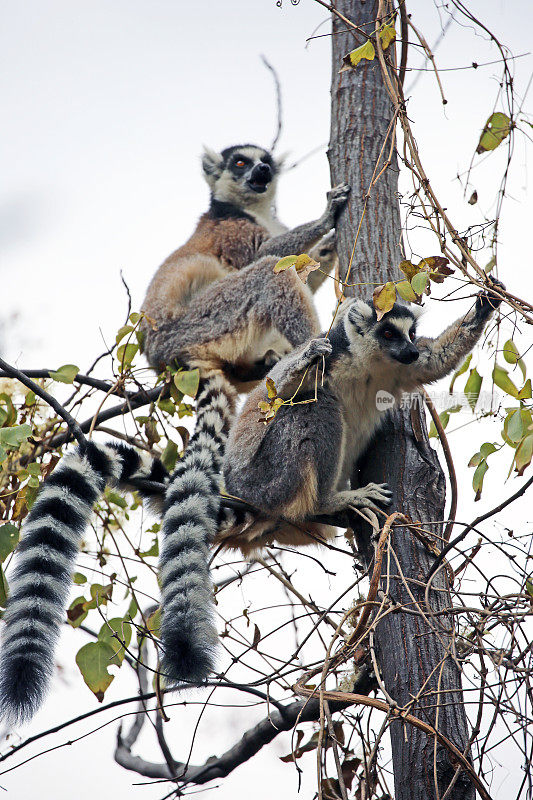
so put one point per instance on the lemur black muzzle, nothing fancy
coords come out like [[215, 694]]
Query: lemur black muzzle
[[260, 177], [407, 355]]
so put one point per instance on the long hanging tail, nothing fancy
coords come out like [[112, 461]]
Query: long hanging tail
[[190, 520], [45, 559]]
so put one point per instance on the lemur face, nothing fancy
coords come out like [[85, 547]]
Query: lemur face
[[391, 338], [243, 175]]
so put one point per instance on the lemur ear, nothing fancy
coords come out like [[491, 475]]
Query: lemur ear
[[360, 315], [280, 160], [212, 163]]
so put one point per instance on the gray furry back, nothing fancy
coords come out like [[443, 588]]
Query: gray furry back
[[192, 505], [44, 562]]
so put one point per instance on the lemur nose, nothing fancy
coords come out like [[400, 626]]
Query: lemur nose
[[263, 169]]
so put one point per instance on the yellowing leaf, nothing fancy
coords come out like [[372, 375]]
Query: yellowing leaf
[[4, 589], [524, 454], [93, 660], [169, 456], [384, 298], [65, 374], [408, 269], [271, 388], [285, 263], [352, 59], [188, 382], [525, 391], [496, 129], [154, 623], [387, 35], [305, 265]]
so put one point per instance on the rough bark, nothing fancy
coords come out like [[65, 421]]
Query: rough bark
[[415, 655]]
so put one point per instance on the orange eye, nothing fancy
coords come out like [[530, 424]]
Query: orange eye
[[239, 163], [412, 335], [388, 334]]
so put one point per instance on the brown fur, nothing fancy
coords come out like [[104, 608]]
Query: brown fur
[[216, 248]]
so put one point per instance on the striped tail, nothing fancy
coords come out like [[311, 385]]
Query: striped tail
[[44, 562], [192, 505]]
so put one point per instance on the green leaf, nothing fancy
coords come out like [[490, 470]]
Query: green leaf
[[487, 449], [4, 589], [169, 456], [496, 129], [93, 660], [153, 551], [477, 480], [115, 498], [78, 578], [126, 353], [30, 399], [116, 633], [8, 415], [352, 59], [473, 387], [13, 437], [65, 374], [166, 405], [406, 291], [512, 356], [462, 369], [134, 317], [524, 454], [419, 282], [122, 332], [503, 381], [187, 382], [513, 426], [9, 536], [529, 587]]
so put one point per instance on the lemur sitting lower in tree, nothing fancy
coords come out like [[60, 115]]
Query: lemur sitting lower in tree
[[299, 464]]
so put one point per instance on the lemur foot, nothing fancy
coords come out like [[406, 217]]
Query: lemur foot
[[368, 495], [487, 301], [337, 199], [315, 350]]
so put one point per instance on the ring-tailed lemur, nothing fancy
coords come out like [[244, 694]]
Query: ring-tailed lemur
[[216, 303], [299, 464]]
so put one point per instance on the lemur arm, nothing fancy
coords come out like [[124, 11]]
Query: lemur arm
[[302, 238], [288, 373], [324, 252], [438, 357]]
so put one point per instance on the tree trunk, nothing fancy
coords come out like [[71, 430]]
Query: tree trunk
[[416, 655]]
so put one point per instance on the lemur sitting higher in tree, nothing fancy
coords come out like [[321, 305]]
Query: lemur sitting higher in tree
[[216, 303], [212, 306]]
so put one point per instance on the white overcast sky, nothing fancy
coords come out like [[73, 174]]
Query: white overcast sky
[[105, 106]]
